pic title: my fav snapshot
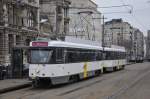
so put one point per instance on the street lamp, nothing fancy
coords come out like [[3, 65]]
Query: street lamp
[[103, 29], [42, 21]]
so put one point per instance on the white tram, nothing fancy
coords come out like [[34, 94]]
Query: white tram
[[61, 62]]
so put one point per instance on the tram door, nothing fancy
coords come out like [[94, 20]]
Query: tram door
[[17, 63]]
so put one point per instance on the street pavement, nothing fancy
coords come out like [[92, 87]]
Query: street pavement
[[130, 83], [13, 84]]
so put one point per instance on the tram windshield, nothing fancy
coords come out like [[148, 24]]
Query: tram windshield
[[40, 56]]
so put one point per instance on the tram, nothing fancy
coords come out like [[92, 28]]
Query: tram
[[59, 62]]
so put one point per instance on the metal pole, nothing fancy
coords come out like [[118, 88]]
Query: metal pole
[[103, 32], [122, 37]]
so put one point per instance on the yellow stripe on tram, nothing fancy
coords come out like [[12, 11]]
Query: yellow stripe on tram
[[85, 70]]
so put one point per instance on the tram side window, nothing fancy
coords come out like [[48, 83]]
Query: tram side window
[[120, 55], [75, 56], [59, 55], [113, 56], [108, 55], [123, 55], [83, 56], [69, 57], [72, 56], [99, 56], [117, 55], [92, 56], [104, 55], [79, 55]]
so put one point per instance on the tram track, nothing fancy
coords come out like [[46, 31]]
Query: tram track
[[11, 89], [112, 88], [119, 85], [30, 91], [123, 89], [103, 78], [79, 88]]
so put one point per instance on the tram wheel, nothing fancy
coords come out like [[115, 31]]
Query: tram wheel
[[35, 84], [74, 78], [97, 73]]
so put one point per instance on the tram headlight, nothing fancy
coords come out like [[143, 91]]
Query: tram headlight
[[37, 72], [43, 74]]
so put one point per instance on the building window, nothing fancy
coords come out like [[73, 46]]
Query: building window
[[30, 1], [10, 42], [59, 9], [18, 39]]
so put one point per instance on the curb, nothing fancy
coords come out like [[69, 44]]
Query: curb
[[14, 88]]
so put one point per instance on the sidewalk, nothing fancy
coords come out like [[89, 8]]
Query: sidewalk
[[13, 84]]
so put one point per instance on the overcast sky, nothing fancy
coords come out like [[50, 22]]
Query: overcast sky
[[140, 18]]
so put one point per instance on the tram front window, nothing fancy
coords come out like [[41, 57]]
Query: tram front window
[[41, 56]]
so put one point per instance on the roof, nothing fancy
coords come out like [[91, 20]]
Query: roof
[[93, 2], [73, 45], [77, 45]]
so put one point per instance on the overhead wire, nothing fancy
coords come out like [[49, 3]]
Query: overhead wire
[[134, 17]]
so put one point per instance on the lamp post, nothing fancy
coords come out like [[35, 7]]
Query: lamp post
[[103, 29], [41, 22]]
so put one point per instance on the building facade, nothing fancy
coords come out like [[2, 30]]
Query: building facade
[[85, 20], [148, 45], [18, 25], [54, 17], [118, 32], [137, 52]]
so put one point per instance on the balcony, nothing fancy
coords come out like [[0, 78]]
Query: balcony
[[34, 3], [66, 19]]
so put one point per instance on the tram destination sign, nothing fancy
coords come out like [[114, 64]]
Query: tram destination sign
[[39, 44]]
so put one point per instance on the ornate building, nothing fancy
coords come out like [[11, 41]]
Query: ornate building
[[85, 20], [54, 17], [18, 25]]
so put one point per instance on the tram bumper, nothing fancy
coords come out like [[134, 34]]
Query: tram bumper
[[51, 80]]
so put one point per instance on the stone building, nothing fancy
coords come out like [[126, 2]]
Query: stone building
[[148, 45], [24, 20], [137, 52], [18, 25], [54, 17], [118, 32], [85, 20]]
